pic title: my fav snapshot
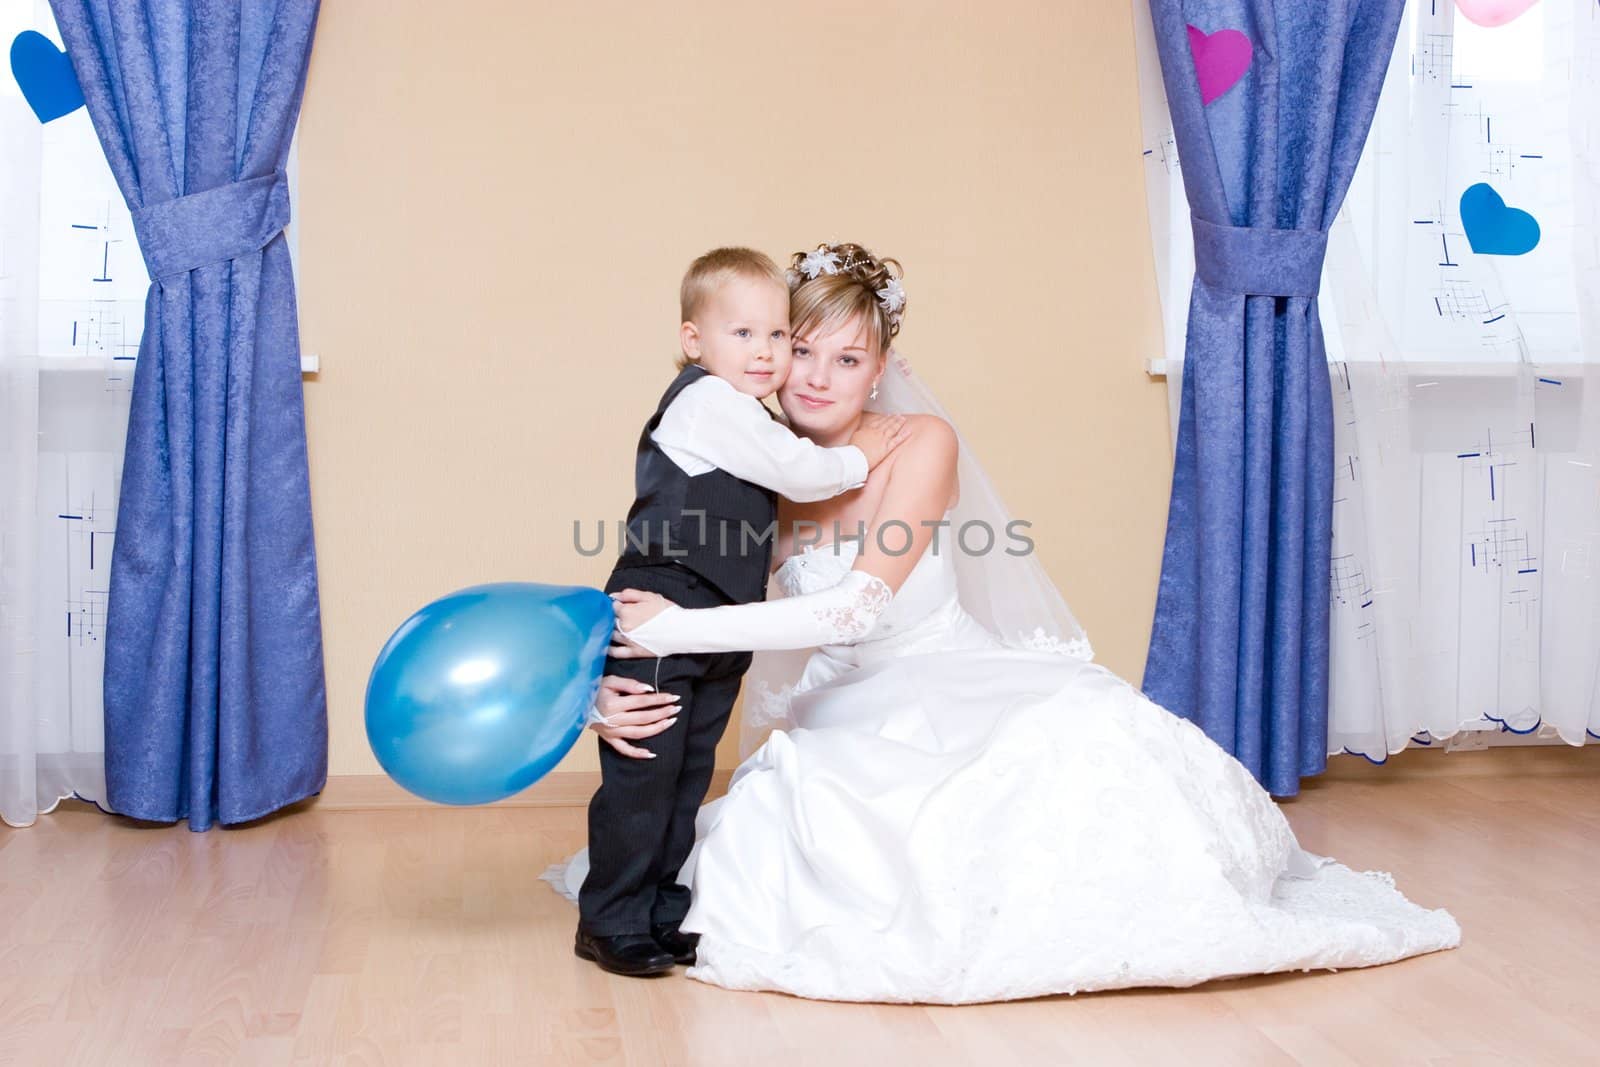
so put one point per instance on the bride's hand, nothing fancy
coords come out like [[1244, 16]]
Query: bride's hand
[[633, 711], [634, 608]]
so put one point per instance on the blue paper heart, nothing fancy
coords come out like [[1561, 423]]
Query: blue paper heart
[[1494, 229], [45, 75]]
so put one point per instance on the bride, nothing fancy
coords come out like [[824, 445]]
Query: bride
[[954, 804]]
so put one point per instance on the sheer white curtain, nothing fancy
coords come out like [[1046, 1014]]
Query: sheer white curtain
[[1466, 562], [1467, 537], [71, 314]]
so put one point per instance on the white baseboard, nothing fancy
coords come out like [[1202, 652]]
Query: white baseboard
[[561, 789], [572, 789], [1540, 760]]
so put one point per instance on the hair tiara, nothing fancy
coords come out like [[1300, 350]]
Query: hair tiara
[[824, 260]]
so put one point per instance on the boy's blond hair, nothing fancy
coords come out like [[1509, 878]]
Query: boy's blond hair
[[715, 269]]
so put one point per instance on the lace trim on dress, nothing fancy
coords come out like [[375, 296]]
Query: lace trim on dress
[[1042, 641], [768, 706], [556, 875]]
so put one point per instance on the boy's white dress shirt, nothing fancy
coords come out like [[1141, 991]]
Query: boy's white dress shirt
[[710, 424]]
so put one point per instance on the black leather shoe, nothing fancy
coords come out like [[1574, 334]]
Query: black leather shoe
[[635, 955], [675, 941]]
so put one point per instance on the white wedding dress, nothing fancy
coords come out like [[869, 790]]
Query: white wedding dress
[[950, 820]]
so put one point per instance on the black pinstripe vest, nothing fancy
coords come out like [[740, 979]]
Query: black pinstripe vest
[[716, 525]]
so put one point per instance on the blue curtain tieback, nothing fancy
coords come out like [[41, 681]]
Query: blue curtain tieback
[[215, 226], [1258, 261]]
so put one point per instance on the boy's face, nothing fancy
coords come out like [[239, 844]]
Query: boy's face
[[741, 335]]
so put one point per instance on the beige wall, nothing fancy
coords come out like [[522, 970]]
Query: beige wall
[[496, 207]]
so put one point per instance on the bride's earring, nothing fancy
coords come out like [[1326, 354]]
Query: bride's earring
[[874, 394]]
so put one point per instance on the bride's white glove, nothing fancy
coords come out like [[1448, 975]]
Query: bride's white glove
[[837, 615]]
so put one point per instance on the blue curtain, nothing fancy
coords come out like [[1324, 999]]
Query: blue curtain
[[215, 707], [1240, 638]]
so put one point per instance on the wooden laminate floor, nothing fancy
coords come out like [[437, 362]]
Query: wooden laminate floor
[[422, 936]]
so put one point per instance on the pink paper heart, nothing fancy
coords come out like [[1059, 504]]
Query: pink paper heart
[[1220, 60], [1492, 13]]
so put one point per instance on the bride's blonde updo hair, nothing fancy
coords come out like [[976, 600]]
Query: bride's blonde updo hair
[[834, 283]]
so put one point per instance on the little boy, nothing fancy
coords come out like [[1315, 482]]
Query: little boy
[[710, 463]]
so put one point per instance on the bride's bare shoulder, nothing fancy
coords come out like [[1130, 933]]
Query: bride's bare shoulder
[[930, 450], [930, 434]]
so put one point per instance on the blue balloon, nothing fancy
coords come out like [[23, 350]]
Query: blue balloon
[[480, 693]]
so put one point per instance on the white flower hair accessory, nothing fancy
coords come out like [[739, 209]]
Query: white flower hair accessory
[[893, 297], [821, 261], [824, 260]]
